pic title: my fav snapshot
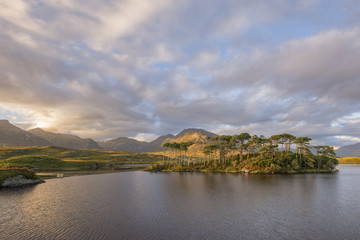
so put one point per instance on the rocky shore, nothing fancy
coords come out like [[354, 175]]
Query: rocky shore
[[19, 181]]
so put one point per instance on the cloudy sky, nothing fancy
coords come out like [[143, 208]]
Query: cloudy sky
[[105, 69]]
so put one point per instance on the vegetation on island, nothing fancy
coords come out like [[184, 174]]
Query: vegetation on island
[[283, 153]]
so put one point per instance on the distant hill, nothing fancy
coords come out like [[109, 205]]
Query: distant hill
[[65, 140], [124, 144], [191, 134], [156, 145], [12, 136], [349, 151], [133, 145]]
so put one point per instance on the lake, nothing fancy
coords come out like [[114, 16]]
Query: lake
[[143, 205]]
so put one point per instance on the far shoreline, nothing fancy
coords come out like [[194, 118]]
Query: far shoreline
[[321, 171]]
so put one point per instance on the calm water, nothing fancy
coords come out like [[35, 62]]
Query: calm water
[[142, 205]]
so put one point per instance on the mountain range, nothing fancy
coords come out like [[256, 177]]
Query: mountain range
[[65, 140], [133, 145], [12, 136]]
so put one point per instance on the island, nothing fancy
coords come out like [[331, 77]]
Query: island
[[243, 153]]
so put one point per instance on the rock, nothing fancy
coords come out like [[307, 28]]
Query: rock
[[19, 181], [247, 171]]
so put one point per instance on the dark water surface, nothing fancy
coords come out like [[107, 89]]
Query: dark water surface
[[142, 205]]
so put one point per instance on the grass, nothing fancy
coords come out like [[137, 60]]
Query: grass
[[56, 158], [349, 160], [29, 161]]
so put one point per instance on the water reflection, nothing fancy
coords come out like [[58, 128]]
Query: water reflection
[[141, 205]]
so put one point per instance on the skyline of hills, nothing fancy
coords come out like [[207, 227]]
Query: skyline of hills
[[65, 140], [13, 136], [352, 150]]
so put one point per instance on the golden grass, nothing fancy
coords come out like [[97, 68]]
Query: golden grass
[[44, 157], [349, 160], [74, 160]]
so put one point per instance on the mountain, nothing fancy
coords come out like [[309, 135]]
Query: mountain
[[12, 136], [65, 140], [124, 144], [191, 134], [349, 151], [156, 145], [133, 145]]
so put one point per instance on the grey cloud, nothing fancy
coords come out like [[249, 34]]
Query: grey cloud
[[91, 69], [319, 74]]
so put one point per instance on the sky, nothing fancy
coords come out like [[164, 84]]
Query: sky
[[141, 69]]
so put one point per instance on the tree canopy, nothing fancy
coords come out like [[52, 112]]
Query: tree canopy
[[281, 153]]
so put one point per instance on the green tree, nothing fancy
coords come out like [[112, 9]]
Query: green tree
[[275, 139], [224, 143], [241, 140], [288, 140], [302, 145], [325, 156]]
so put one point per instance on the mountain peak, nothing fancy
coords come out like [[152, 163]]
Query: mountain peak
[[191, 135], [36, 130], [10, 135], [194, 131]]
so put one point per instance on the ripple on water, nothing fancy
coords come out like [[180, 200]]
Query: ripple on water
[[141, 205]]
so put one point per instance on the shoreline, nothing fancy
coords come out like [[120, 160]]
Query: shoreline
[[22, 181], [247, 172], [72, 173]]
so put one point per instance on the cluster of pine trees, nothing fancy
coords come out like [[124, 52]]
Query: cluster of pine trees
[[243, 152]]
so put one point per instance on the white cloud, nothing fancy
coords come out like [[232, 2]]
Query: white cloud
[[122, 19], [24, 39], [140, 69], [146, 137], [17, 12]]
